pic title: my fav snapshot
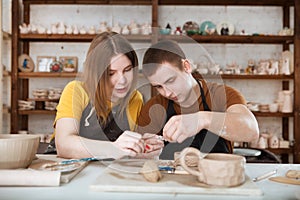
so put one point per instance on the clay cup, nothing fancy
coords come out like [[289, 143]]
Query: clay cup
[[216, 169]]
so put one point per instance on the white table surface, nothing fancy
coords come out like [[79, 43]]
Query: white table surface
[[78, 188]]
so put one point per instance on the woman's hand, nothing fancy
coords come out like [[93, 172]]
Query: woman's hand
[[153, 146], [129, 144]]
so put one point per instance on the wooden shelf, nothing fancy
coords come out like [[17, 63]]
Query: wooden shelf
[[76, 38], [240, 39], [269, 114], [26, 75], [281, 150], [228, 2], [42, 99], [109, 2], [36, 112], [168, 2], [227, 39], [244, 76]]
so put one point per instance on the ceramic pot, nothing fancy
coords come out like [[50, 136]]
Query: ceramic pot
[[217, 169]]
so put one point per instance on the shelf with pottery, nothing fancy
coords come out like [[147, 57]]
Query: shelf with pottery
[[227, 2], [238, 39], [166, 2], [262, 39], [245, 76], [36, 112], [76, 37], [272, 114], [26, 75], [281, 150], [90, 2]]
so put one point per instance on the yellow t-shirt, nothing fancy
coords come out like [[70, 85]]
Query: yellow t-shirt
[[74, 100]]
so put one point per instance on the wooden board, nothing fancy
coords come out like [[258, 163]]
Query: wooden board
[[65, 177], [123, 176]]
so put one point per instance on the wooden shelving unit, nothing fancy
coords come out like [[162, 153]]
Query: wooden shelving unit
[[27, 75], [20, 80]]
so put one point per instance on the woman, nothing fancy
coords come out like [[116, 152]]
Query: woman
[[94, 113]]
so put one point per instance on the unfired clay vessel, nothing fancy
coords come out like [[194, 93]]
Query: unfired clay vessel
[[217, 169]]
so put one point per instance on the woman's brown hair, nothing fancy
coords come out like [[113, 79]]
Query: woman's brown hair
[[96, 71]]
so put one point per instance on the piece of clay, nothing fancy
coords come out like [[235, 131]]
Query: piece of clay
[[150, 171], [293, 174]]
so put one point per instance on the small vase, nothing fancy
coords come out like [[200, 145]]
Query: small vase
[[287, 106]]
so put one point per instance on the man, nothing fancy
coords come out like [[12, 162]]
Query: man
[[190, 112]]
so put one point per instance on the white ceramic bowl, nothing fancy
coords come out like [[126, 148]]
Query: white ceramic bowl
[[17, 151]]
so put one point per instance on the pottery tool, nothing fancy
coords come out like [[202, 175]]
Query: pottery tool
[[291, 177], [264, 176], [283, 179], [79, 160]]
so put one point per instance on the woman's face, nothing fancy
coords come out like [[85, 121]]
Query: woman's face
[[120, 76]]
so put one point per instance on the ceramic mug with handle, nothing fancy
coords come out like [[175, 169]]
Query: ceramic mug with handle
[[217, 169]]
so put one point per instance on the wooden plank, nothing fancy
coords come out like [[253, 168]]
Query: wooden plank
[[109, 2], [228, 2], [243, 76], [277, 114], [37, 112], [14, 71], [26, 75], [76, 37], [124, 176], [297, 83], [262, 39]]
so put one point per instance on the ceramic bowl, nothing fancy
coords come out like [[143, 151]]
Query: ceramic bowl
[[17, 151], [165, 31]]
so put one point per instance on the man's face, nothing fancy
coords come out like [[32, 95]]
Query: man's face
[[173, 83]]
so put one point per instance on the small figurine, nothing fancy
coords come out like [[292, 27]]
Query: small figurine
[[23, 28], [82, 30], [102, 28], [224, 29], [54, 28], [178, 31], [274, 67], [133, 27], [116, 28], [32, 28], [92, 30], [61, 29], [75, 30], [146, 29], [69, 29], [273, 142], [251, 66], [169, 27], [125, 30], [41, 29], [285, 68]]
